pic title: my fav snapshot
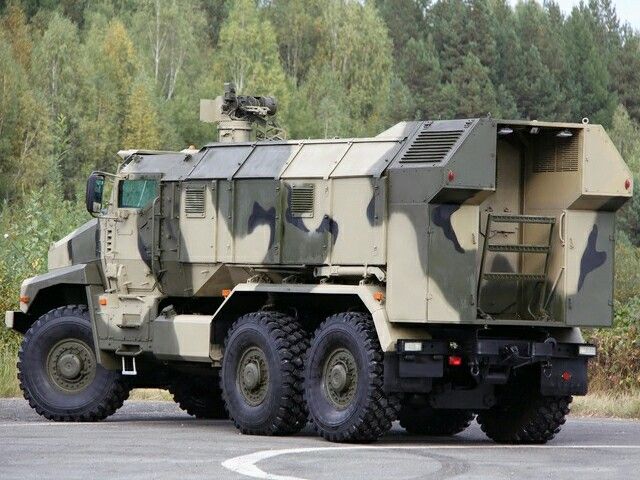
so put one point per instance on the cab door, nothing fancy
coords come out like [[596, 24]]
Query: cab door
[[131, 235]]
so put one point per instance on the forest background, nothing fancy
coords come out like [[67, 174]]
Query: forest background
[[82, 79]]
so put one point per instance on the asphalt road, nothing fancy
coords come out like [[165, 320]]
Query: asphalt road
[[156, 440]]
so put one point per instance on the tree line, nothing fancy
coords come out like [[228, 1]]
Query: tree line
[[83, 79]]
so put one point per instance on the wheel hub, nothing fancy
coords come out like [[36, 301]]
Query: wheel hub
[[71, 365], [340, 378], [253, 376]]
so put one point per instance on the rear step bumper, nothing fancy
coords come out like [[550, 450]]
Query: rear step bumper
[[417, 364]]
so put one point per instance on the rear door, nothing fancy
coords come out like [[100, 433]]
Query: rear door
[[590, 244]]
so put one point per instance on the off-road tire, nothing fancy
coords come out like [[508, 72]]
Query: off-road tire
[[100, 398], [371, 411], [528, 420], [199, 397], [425, 420], [284, 343]]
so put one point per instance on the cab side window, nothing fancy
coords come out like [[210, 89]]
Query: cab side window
[[137, 193]]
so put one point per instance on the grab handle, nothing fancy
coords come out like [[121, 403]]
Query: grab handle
[[561, 227]]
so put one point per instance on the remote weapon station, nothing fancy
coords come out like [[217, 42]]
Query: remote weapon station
[[436, 272]]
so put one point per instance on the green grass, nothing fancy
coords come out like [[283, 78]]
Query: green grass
[[601, 404], [8, 381]]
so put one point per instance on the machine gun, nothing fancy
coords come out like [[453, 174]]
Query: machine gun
[[242, 117]]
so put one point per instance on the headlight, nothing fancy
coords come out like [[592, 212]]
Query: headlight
[[587, 350]]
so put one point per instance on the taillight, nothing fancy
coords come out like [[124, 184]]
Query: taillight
[[455, 361]]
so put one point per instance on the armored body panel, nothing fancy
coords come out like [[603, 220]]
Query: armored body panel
[[413, 202]]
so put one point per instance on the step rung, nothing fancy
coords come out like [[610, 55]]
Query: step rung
[[513, 276], [519, 248], [523, 219]]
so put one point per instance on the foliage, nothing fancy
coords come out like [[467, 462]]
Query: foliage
[[616, 366], [81, 80]]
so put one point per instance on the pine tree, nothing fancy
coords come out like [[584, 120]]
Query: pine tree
[[590, 81], [423, 76], [625, 70], [479, 34], [470, 91], [449, 19], [535, 90]]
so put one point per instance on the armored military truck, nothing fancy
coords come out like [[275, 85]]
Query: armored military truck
[[434, 273]]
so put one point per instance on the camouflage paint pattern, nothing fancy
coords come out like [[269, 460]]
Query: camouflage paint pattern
[[412, 202]]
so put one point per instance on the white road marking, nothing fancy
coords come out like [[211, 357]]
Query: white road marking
[[99, 424], [246, 464]]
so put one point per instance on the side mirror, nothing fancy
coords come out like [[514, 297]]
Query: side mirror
[[95, 190]]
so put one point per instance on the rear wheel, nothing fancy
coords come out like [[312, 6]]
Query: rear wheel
[[261, 375], [525, 418], [424, 420], [200, 397], [58, 371], [344, 379]]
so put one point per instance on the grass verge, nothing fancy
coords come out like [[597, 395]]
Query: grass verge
[[151, 394], [601, 404], [8, 378]]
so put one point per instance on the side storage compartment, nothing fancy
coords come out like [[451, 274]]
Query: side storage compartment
[[453, 246], [407, 284], [590, 242]]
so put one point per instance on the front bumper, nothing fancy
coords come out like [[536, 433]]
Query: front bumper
[[17, 321]]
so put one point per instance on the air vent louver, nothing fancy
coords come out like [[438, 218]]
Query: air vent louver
[[302, 200], [431, 145], [194, 205], [557, 155]]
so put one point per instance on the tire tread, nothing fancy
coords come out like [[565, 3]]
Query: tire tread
[[291, 342], [381, 409], [107, 406]]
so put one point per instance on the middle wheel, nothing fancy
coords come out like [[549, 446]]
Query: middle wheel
[[344, 380], [261, 374]]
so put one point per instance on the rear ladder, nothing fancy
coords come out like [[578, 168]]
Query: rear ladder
[[516, 248]]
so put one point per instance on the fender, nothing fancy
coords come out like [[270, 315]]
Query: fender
[[388, 333], [81, 274]]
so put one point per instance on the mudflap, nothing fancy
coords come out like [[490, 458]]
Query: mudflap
[[564, 376]]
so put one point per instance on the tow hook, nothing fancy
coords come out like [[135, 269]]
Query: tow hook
[[510, 352], [474, 369]]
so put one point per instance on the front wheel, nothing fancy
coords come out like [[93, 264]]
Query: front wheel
[[58, 371], [344, 380]]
